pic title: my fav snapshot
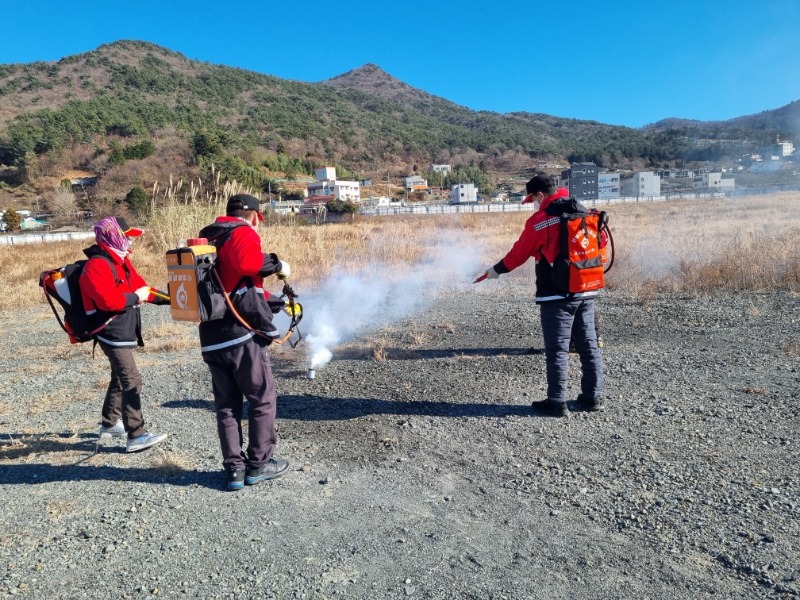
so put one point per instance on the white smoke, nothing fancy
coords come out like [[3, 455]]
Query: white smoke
[[349, 304]]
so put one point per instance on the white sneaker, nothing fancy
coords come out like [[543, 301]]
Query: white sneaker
[[116, 430], [145, 441]]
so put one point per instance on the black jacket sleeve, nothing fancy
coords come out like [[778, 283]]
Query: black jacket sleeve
[[270, 266]]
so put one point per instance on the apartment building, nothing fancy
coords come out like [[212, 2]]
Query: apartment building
[[713, 182], [581, 180], [608, 185], [641, 184]]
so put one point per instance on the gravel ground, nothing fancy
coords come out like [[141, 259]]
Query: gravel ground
[[417, 468]]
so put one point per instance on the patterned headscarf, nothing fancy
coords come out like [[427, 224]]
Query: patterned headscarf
[[108, 232]]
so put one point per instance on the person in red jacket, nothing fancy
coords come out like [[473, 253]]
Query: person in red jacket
[[236, 354], [563, 315], [112, 291]]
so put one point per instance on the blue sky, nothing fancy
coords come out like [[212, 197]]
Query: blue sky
[[620, 62]]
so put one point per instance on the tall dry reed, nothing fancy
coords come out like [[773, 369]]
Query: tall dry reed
[[745, 243]]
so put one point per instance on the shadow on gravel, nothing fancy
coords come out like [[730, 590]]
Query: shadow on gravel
[[189, 403], [35, 474], [401, 353], [19, 445], [320, 408]]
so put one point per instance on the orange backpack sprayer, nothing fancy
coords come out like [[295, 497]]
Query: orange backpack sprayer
[[189, 270], [583, 258], [196, 293]]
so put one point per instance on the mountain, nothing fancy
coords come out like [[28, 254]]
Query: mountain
[[134, 113], [785, 119]]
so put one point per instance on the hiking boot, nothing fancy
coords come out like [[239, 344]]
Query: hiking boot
[[272, 469], [548, 408], [235, 479], [115, 430], [590, 404], [144, 441]]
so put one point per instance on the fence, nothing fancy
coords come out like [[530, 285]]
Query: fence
[[435, 209], [38, 238], [441, 209], [438, 209]]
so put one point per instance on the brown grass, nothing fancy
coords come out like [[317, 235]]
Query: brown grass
[[55, 509], [171, 336], [171, 464], [746, 243]]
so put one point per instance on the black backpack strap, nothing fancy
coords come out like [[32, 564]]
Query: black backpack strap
[[218, 241], [110, 262]]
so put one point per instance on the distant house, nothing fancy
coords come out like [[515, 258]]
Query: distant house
[[766, 166], [327, 184], [29, 224], [414, 183], [778, 149], [443, 169], [714, 182], [463, 193], [312, 201]]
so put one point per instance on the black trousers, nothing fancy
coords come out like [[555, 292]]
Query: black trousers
[[238, 374], [560, 319], [124, 394]]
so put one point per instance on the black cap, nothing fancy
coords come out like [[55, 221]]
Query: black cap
[[244, 202], [539, 183]]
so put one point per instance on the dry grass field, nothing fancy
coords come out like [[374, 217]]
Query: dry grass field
[[697, 246]]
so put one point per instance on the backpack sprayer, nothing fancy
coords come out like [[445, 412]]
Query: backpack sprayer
[[196, 293], [577, 244]]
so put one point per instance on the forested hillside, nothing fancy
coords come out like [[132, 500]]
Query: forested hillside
[[134, 113]]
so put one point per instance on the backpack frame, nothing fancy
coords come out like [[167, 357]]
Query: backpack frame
[[63, 284]]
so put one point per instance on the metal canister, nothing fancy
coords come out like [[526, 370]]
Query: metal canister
[[311, 373]]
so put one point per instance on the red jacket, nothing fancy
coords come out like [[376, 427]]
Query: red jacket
[[540, 237], [110, 293], [540, 240], [241, 266]]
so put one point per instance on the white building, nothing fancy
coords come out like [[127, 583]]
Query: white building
[[463, 193], [327, 185], [608, 185], [778, 149], [641, 184], [714, 182], [443, 169]]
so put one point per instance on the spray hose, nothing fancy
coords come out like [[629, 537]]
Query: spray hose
[[295, 312], [610, 245]]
